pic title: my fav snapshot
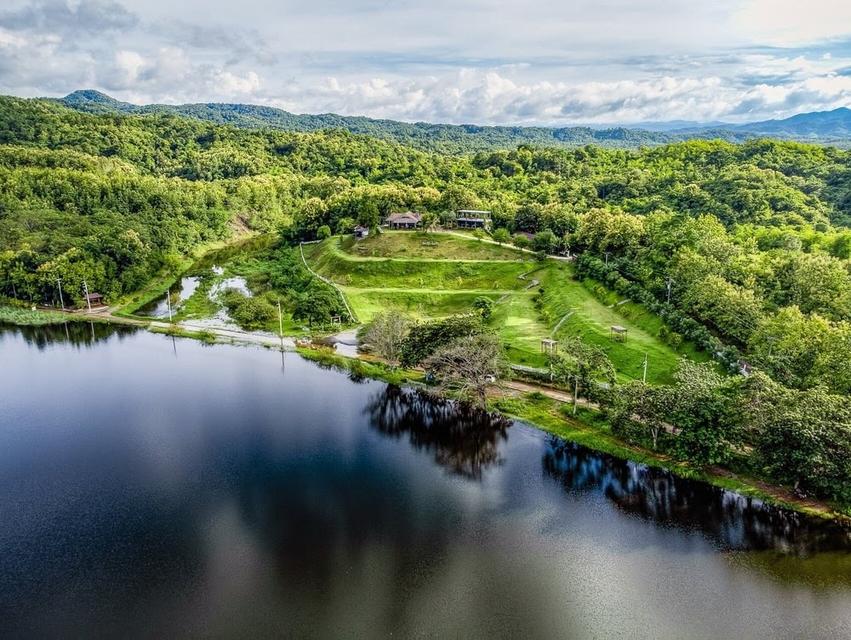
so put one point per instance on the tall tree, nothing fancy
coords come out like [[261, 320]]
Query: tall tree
[[386, 334], [583, 366], [472, 364]]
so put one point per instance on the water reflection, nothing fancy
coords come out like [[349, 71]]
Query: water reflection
[[205, 496], [464, 439], [732, 521], [159, 307], [313, 513], [78, 334]]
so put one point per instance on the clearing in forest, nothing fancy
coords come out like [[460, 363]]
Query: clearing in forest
[[434, 275]]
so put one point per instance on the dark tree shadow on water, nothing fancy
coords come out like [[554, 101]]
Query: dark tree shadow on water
[[78, 334], [464, 439], [730, 520]]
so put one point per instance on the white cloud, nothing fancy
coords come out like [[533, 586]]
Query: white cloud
[[555, 62], [233, 85], [128, 65], [486, 97], [10, 40], [792, 22]]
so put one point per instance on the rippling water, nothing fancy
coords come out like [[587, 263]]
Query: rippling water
[[154, 487]]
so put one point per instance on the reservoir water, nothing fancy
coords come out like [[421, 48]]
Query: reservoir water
[[153, 487]]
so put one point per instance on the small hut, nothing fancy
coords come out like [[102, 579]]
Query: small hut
[[619, 333], [549, 346], [94, 299], [361, 232], [405, 220]]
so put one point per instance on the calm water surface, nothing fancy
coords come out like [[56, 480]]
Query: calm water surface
[[158, 308], [152, 487]]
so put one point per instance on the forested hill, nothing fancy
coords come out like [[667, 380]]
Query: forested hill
[[832, 127], [121, 195], [439, 137]]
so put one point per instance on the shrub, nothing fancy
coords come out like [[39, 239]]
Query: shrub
[[424, 339], [484, 306], [502, 236], [248, 313]]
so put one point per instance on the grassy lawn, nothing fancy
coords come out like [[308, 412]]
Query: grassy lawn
[[422, 304], [396, 271], [24, 316], [592, 316], [427, 246], [521, 328]]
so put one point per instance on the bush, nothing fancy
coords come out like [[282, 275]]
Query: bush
[[318, 304], [484, 306], [545, 242], [520, 241], [424, 339], [502, 236], [248, 313]]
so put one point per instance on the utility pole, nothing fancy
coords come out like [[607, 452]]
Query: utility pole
[[88, 302], [281, 334], [168, 302], [575, 394], [644, 375], [668, 282], [61, 301], [607, 258]]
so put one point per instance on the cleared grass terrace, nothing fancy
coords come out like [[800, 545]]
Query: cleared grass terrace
[[436, 275]]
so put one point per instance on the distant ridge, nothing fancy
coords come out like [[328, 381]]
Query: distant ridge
[[836, 123], [827, 127]]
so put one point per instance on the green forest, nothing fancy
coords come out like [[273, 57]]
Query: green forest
[[827, 127], [741, 249]]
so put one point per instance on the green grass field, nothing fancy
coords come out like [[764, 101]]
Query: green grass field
[[397, 271], [428, 246]]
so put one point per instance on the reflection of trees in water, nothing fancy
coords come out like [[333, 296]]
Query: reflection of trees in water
[[464, 439], [78, 334], [732, 520], [321, 513]]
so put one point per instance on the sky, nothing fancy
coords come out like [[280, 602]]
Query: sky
[[527, 62]]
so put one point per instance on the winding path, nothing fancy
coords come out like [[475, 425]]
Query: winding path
[[329, 283]]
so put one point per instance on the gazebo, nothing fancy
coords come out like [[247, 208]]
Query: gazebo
[[94, 299], [549, 346], [619, 333]]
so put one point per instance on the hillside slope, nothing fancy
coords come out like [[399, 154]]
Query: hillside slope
[[826, 127], [435, 275]]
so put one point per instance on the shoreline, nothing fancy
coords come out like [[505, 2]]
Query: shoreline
[[534, 408]]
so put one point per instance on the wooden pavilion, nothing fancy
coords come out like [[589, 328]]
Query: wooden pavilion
[[619, 333]]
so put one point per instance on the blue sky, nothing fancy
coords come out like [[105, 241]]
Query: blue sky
[[553, 62]]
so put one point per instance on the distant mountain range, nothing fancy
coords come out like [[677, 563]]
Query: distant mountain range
[[823, 127]]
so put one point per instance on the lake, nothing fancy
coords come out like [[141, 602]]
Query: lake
[[158, 487]]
